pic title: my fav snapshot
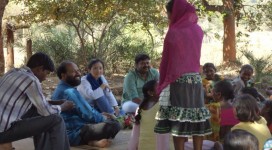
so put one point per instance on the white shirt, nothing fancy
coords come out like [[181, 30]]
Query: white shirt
[[85, 89]]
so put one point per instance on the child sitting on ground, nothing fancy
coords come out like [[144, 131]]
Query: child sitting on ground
[[223, 92], [143, 129], [222, 117], [266, 112], [245, 80], [240, 140], [247, 112], [209, 80]]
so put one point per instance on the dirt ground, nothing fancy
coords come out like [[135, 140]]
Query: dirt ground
[[118, 143]]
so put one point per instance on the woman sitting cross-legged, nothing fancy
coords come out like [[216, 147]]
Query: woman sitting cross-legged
[[95, 89]]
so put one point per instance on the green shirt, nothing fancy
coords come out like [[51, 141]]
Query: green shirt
[[133, 84]]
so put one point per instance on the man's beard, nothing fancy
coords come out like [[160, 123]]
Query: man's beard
[[73, 81], [144, 70]]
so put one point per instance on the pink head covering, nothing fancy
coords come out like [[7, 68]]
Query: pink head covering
[[182, 44]]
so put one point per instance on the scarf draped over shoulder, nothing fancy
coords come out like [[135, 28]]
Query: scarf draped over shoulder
[[182, 44]]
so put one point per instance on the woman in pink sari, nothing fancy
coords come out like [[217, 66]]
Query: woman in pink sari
[[182, 112]]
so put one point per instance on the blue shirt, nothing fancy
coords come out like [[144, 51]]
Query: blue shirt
[[82, 114]]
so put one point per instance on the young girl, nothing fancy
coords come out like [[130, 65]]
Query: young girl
[[95, 89], [223, 93], [266, 112], [182, 111], [143, 129], [247, 112], [209, 80]]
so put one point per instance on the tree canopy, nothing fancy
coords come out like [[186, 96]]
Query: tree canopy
[[100, 23], [93, 11]]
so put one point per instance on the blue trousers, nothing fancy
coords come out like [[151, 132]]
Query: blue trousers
[[102, 105]]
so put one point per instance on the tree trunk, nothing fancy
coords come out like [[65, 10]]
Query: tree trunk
[[3, 4], [28, 49], [229, 44], [10, 50], [2, 58]]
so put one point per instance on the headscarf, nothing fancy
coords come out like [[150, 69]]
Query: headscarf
[[182, 44]]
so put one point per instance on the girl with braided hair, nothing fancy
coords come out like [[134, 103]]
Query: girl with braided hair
[[143, 129]]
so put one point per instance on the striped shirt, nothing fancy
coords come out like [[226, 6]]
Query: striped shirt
[[19, 90]]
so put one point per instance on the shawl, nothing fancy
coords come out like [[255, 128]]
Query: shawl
[[182, 44], [94, 83]]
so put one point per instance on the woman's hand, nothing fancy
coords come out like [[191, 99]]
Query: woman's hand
[[109, 116], [105, 86], [116, 110]]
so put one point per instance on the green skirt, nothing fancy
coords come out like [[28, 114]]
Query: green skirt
[[182, 111]]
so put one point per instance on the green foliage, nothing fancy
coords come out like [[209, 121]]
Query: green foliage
[[93, 11], [118, 47], [94, 28], [60, 43], [100, 25], [123, 53], [266, 9]]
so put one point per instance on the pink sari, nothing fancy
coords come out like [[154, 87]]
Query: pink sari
[[182, 44]]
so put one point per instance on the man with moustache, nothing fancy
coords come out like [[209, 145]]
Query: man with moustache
[[84, 124], [134, 81]]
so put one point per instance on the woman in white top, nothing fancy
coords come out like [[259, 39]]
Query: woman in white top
[[95, 89]]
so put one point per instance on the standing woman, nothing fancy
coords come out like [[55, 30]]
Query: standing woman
[[182, 111]]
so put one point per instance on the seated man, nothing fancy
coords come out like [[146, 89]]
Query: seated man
[[24, 110], [84, 124], [134, 81]]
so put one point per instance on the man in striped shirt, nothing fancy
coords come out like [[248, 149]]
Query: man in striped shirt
[[24, 111]]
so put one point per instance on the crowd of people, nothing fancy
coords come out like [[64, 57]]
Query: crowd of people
[[200, 110]]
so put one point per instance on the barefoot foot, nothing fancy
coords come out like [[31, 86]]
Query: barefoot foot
[[101, 143]]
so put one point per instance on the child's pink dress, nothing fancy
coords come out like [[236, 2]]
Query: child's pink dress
[[227, 121], [227, 117]]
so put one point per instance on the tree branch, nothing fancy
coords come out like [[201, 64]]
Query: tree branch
[[93, 37], [218, 8], [151, 37], [21, 26], [78, 33]]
